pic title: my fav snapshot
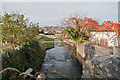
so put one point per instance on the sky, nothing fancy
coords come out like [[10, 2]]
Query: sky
[[52, 13], [60, 0]]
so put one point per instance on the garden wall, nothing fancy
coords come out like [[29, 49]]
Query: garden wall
[[107, 39]]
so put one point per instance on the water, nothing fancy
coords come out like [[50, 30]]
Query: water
[[59, 60]]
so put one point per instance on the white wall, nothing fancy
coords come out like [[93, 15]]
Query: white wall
[[110, 37]]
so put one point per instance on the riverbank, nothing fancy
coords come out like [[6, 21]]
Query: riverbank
[[30, 55]]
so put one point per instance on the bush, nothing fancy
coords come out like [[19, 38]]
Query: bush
[[31, 55], [16, 30], [70, 33], [42, 31], [80, 41]]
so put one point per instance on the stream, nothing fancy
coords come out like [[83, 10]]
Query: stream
[[60, 61]]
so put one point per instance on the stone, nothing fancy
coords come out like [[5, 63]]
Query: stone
[[89, 50], [105, 66], [86, 50], [41, 77]]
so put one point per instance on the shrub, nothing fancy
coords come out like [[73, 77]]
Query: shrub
[[80, 41], [16, 30], [42, 31], [31, 55]]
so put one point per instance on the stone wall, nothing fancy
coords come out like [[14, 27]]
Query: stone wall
[[105, 66], [97, 61], [86, 50]]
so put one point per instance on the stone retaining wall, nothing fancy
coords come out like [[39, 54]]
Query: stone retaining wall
[[98, 62]]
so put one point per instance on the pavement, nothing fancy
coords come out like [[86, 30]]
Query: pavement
[[103, 50]]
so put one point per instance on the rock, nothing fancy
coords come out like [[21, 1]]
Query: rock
[[116, 51], [53, 69], [89, 50], [105, 66], [86, 50], [41, 77]]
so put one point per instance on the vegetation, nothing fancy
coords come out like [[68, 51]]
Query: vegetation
[[42, 31], [46, 45], [74, 49], [30, 55], [16, 30], [70, 33], [108, 26], [80, 41], [79, 28]]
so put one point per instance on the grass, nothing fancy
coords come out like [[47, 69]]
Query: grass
[[46, 45], [45, 39]]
